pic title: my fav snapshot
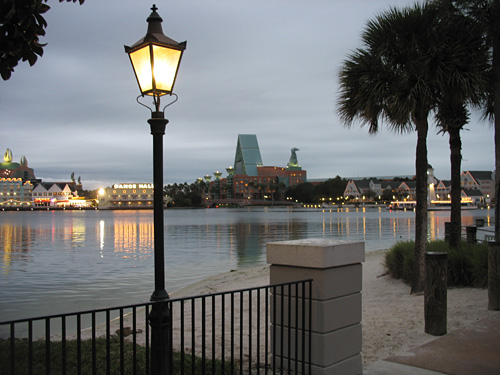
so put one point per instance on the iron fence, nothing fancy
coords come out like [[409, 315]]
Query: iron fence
[[256, 330]]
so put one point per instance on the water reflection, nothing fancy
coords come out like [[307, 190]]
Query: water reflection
[[65, 261]]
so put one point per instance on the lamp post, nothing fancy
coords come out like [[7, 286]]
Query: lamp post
[[155, 59]]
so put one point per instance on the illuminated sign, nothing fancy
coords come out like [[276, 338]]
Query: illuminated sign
[[133, 186]]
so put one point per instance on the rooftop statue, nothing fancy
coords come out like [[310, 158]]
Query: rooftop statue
[[8, 156], [293, 158]]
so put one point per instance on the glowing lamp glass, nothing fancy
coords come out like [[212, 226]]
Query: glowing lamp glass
[[155, 68]]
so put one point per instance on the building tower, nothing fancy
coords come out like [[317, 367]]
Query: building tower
[[247, 158]]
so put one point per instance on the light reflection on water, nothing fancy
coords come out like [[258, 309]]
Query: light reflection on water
[[54, 262]]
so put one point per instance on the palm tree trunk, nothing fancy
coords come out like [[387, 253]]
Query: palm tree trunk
[[421, 207], [456, 189], [496, 101]]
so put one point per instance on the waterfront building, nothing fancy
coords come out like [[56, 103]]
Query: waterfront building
[[16, 182], [357, 188], [373, 187], [127, 196], [479, 180], [473, 196], [477, 188], [14, 192], [443, 189], [54, 194], [20, 188], [10, 169], [249, 181]]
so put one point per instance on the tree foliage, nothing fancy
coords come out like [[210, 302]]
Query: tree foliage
[[185, 195], [21, 25], [312, 193], [487, 14], [414, 62]]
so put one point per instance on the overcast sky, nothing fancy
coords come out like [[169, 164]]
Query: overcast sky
[[264, 67]]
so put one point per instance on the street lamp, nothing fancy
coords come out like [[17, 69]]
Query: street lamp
[[155, 60]]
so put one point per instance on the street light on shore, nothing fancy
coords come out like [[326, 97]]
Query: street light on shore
[[155, 59]]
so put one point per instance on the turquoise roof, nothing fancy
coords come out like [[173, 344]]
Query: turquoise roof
[[247, 157]]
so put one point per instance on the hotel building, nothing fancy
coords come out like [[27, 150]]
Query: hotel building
[[20, 188], [16, 182], [126, 196], [249, 181]]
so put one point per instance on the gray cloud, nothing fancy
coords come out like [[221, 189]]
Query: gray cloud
[[260, 67]]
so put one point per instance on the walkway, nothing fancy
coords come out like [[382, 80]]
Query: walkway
[[472, 350]]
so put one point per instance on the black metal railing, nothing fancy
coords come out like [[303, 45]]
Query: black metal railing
[[256, 330]]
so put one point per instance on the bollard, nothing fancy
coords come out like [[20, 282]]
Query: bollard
[[471, 234], [435, 293], [493, 275], [447, 231]]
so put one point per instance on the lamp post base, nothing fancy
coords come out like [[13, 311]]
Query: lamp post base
[[160, 320]]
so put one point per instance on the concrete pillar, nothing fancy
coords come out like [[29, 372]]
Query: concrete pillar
[[336, 270]]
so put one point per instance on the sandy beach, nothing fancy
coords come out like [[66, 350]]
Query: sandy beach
[[392, 318]]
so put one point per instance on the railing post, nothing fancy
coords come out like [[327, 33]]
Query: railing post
[[471, 234], [447, 231], [493, 275], [436, 293], [336, 270]]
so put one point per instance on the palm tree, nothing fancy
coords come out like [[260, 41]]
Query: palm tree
[[464, 59], [394, 79], [487, 14]]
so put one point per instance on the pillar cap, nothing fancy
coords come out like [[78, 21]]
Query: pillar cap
[[315, 253]]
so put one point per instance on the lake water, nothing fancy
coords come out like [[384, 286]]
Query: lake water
[[64, 261]]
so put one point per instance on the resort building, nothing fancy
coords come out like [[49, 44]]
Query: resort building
[[443, 189], [483, 181], [477, 188], [372, 188], [248, 181], [57, 194], [14, 192], [10, 169], [20, 188], [126, 196], [16, 182], [474, 196]]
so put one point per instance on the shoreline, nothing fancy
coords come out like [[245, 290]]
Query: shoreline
[[392, 318]]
